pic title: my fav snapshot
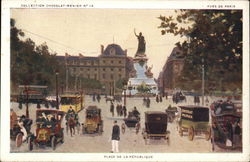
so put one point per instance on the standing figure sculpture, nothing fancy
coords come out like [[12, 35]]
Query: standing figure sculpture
[[141, 43]]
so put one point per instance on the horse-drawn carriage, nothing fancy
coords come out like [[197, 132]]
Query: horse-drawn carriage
[[178, 97], [194, 120], [93, 121], [224, 117], [48, 129], [20, 130], [156, 126]]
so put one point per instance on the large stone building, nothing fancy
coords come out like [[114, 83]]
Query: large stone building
[[170, 71], [109, 67]]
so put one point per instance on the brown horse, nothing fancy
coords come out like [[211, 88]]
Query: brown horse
[[71, 125]]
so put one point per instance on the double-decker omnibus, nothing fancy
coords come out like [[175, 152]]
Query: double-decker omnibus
[[76, 101], [32, 93]]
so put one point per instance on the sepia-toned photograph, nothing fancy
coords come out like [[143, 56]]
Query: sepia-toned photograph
[[125, 80]]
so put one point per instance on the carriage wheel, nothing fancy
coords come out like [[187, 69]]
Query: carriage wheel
[[30, 144], [19, 139], [191, 133], [53, 142], [208, 134], [180, 131]]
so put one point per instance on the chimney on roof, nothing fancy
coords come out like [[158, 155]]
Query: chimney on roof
[[125, 52], [102, 49], [80, 55]]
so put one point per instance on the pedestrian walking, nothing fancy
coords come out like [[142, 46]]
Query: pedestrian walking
[[93, 98], [115, 137], [166, 96], [112, 109], [20, 105], [157, 99], [98, 98], [38, 106], [46, 104], [160, 98], [124, 111], [121, 110], [117, 109], [148, 102], [144, 101]]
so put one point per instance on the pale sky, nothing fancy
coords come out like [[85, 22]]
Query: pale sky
[[83, 31]]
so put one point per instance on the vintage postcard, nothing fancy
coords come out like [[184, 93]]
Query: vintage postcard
[[125, 81]]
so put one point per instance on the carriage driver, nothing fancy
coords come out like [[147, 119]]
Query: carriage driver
[[71, 113]]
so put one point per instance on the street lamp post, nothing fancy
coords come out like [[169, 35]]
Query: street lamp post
[[125, 88], [57, 102], [27, 101], [203, 82]]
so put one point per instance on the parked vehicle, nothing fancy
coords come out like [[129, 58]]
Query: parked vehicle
[[48, 129], [32, 93], [194, 120], [93, 121], [20, 130], [156, 126]]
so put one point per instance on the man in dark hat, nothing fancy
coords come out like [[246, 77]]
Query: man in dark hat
[[115, 137]]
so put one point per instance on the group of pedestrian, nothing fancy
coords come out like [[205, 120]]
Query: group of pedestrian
[[196, 100], [96, 97], [146, 102], [158, 98], [121, 110]]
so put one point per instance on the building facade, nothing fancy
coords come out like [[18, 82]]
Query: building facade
[[170, 71], [109, 67]]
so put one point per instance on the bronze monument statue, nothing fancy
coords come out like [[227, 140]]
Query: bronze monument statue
[[141, 43]]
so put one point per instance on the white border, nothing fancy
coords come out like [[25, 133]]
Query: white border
[[5, 86]]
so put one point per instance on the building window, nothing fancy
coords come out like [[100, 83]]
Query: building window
[[120, 69], [111, 61], [120, 61], [95, 69], [92, 62], [88, 69], [81, 69], [104, 61], [112, 69], [103, 76], [103, 69], [111, 76]]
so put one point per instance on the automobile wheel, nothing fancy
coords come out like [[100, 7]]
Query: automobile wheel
[[19, 139], [208, 134], [180, 131], [30, 144], [53, 142], [191, 133]]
